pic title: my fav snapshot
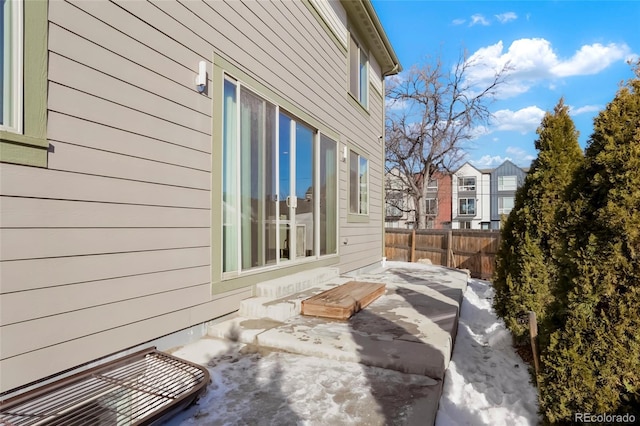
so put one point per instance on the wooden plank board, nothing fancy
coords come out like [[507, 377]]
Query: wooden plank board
[[343, 301]]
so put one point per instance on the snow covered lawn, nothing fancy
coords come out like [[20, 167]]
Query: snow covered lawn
[[486, 383]]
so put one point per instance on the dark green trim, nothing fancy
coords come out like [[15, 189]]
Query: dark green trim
[[358, 105], [249, 277], [327, 28], [257, 277], [30, 148], [262, 90], [356, 217]]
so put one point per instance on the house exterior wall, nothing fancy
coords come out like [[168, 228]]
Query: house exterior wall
[[481, 216], [118, 240], [443, 218], [505, 169]]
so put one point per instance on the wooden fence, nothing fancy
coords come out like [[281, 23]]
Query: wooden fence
[[474, 250]]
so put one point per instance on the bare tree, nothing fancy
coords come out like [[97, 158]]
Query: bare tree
[[431, 112]]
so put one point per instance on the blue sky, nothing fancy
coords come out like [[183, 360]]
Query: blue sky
[[575, 49]]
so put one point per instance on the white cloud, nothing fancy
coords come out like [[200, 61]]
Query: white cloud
[[458, 21], [591, 59], [488, 161], [503, 18], [395, 104], [478, 19], [584, 109], [516, 155], [533, 59], [523, 120], [520, 156]]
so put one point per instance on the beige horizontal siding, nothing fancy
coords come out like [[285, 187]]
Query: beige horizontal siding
[[69, 101], [47, 302], [76, 131], [41, 183], [21, 275], [84, 160], [43, 213], [45, 361], [58, 242]]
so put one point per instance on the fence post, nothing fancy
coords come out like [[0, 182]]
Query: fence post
[[533, 332], [449, 248], [413, 246]]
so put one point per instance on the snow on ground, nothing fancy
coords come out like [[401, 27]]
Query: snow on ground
[[487, 382]]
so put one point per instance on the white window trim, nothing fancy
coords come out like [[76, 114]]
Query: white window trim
[[16, 63], [463, 187], [435, 212], [432, 181], [504, 210], [501, 186], [474, 207]]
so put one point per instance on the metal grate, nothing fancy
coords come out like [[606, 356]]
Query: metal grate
[[134, 390]]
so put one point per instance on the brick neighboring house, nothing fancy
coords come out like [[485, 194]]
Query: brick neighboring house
[[400, 208]]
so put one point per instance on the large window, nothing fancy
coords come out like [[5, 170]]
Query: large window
[[358, 72], [467, 184], [467, 206], [505, 205], [11, 66], [358, 184], [279, 184], [507, 183]]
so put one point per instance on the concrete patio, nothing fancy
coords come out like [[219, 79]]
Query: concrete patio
[[411, 329]]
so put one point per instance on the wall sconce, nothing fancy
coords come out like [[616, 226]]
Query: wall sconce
[[344, 153], [201, 79]]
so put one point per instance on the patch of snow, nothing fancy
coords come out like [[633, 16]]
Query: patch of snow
[[486, 383]]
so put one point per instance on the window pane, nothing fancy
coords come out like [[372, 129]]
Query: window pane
[[254, 113], [364, 78], [304, 191], [328, 196], [353, 182], [354, 68], [507, 183], [364, 186], [230, 225]]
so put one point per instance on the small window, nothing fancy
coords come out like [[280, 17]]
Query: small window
[[465, 225], [467, 206], [358, 72], [394, 205], [505, 205], [358, 184], [467, 184], [432, 185], [11, 67], [507, 183], [432, 206]]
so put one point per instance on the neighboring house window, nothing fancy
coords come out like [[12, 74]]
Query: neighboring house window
[[358, 184], [395, 205], [11, 67], [467, 206], [465, 225], [505, 205], [432, 185], [507, 183], [467, 184], [358, 72], [273, 199], [432, 206]]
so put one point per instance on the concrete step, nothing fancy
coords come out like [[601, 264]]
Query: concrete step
[[295, 283]]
